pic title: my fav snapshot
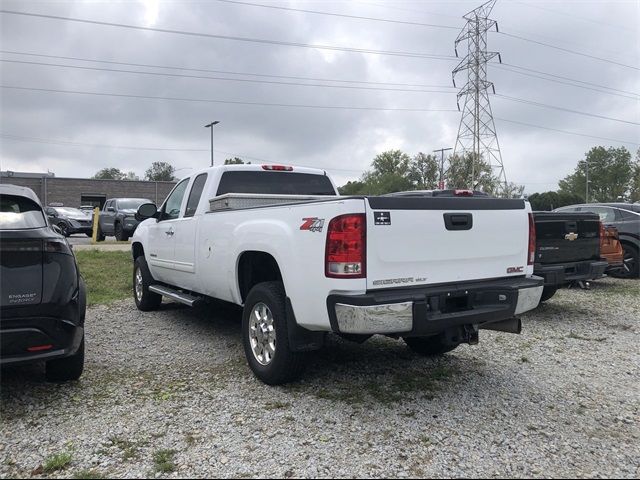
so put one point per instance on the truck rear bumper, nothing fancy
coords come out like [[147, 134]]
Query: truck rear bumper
[[570, 272], [429, 310]]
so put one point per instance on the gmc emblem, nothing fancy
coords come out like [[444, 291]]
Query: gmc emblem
[[515, 270]]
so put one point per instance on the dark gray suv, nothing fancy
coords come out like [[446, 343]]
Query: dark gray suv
[[117, 218], [626, 218]]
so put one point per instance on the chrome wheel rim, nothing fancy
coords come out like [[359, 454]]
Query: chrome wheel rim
[[139, 284], [262, 334]]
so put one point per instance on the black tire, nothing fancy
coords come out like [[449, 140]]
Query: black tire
[[631, 268], [100, 236], [148, 300], [547, 293], [430, 346], [66, 369], [121, 236], [64, 229], [285, 365], [89, 234]]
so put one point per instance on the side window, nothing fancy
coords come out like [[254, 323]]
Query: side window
[[196, 193], [606, 214], [107, 205], [172, 205]]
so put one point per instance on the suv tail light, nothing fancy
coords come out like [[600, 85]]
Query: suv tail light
[[346, 254], [532, 240], [55, 245]]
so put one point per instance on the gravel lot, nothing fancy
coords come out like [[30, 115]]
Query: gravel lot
[[171, 389]]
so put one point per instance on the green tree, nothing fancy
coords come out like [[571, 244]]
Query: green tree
[[424, 172], [110, 174], [160, 172], [390, 173], [546, 201], [234, 161], [610, 175], [131, 176], [352, 188], [634, 194], [463, 167]]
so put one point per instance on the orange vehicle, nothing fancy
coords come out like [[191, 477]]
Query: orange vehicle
[[611, 248]]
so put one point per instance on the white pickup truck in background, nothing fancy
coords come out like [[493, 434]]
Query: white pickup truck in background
[[432, 269]]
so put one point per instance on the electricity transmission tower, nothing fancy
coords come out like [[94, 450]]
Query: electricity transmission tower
[[477, 136]]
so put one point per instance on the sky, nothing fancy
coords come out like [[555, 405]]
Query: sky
[[396, 94]]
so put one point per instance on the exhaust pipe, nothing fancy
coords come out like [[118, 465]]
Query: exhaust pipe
[[511, 325]]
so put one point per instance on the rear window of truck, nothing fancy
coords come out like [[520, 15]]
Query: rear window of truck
[[275, 183], [20, 213]]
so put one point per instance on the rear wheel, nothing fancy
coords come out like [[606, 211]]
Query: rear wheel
[[66, 369], [430, 346], [142, 279], [547, 293], [265, 336], [121, 236], [631, 266]]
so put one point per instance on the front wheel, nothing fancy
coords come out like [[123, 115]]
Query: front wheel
[[265, 336], [121, 236], [430, 346], [145, 299]]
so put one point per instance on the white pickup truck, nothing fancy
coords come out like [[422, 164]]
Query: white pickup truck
[[303, 261]]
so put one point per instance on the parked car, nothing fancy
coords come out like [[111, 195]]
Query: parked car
[[567, 249], [117, 218], [70, 220], [611, 249], [626, 218], [43, 296], [304, 261]]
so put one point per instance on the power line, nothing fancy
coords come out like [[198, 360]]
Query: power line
[[567, 132], [500, 67], [236, 38], [230, 102], [333, 14], [50, 141], [201, 77], [555, 107], [566, 50]]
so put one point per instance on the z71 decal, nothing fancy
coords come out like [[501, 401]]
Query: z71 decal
[[314, 224]]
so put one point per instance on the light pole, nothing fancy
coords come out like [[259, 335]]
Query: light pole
[[441, 182], [211, 125]]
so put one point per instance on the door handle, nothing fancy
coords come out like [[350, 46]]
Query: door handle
[[170, 232]]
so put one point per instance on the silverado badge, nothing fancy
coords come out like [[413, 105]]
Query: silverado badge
[[571, 236]]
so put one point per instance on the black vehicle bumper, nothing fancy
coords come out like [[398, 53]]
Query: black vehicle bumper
[[424, 311], [570, 272], [33, 339]]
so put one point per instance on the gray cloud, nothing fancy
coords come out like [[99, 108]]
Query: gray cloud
[[343, 141]]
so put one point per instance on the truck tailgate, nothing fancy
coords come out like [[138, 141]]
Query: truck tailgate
[[566, 237], [427, 240]]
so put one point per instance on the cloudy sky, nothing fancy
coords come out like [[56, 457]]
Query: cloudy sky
[[401, 98]]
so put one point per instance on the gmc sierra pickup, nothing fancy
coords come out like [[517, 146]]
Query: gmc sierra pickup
[[304, 261], [567, 249]]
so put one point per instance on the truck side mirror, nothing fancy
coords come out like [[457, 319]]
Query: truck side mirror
[[146, 210]]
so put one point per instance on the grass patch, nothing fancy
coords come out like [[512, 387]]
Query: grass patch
[[56, 462], [163, 461], [108, 275], [575, 336], [87, 475]]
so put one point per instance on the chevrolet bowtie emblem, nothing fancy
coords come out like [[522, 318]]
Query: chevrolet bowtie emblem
[[571, 236]]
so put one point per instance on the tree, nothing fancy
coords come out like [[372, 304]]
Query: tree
[[131, 176], [634, 194], [610, 175], [389, 173], [160, 172], [234, 161], [423, 172], [512, 190], [463, 167], [110, 174], [352, 188], [551, 200]]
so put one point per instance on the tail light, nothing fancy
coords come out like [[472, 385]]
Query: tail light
[[603, 236], [55, 245], [463, 193], [346, 254], [277, 168], [532, 240]]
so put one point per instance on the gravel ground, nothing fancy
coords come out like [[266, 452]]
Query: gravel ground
[[169, 394]]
